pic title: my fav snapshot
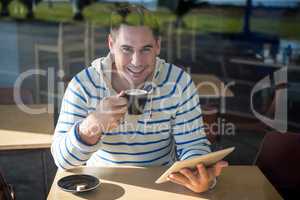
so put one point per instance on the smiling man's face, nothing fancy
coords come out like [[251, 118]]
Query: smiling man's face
[[134, 49]]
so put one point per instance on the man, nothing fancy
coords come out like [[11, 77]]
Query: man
[[90, 129]]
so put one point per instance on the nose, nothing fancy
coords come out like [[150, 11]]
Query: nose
[[136, 59]]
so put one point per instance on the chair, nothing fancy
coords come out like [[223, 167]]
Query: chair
[[6, 190], [7, 96], [98, 41], [178, 44], [279, 160], [210, 115], [246, 123], [72, 48]]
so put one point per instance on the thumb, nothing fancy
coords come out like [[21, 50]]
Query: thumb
[[121, 94]]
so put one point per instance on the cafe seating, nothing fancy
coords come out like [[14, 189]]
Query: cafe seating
[[246, 123], [6, 190], [210, 115], [279, 160], [98, 41], [7, 96], [71, 48]]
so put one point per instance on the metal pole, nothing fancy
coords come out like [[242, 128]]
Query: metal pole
[[247, 17]]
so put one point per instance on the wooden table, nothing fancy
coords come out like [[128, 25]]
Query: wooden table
[[236, 182], [255, 63], [209, 86], [20, 130], [25, 157]]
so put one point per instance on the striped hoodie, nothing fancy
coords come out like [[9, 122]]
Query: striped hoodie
[[170, 128]]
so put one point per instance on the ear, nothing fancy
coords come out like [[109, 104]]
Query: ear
[[111, 44], [158, 43]]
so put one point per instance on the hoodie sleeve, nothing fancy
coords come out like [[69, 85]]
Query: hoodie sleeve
[[188, 127], [67, 148]]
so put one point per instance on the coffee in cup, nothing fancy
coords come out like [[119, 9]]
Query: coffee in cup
[[137, 99]]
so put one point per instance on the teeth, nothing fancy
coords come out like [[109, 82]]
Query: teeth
[[136, 70]]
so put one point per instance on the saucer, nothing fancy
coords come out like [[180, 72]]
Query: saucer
[[78, 183]]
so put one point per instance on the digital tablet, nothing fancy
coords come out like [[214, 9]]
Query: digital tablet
[[207, 159]]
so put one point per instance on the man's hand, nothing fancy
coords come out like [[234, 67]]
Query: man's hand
[[198, 180], [108, 114]]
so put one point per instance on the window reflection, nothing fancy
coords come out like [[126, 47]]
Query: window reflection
[[238, 42]]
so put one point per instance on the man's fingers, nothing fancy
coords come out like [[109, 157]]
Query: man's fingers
[[219, 166], [119, 117], [202, 172], [121, 94], [119, 110], [118, 101], [189, 174], [121, 100], [178, 178], [112, 103]]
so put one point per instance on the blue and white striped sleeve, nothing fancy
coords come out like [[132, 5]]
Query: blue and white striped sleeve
[[67, 148], [188, 127]]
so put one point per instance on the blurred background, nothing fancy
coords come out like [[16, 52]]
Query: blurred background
[[233, 42]]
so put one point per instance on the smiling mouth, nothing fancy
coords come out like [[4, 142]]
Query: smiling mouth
[[136, 71]]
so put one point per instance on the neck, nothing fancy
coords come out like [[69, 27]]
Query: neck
[[118, 83]]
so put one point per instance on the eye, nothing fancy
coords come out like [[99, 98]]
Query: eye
[[146, 50], [126, 50]]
